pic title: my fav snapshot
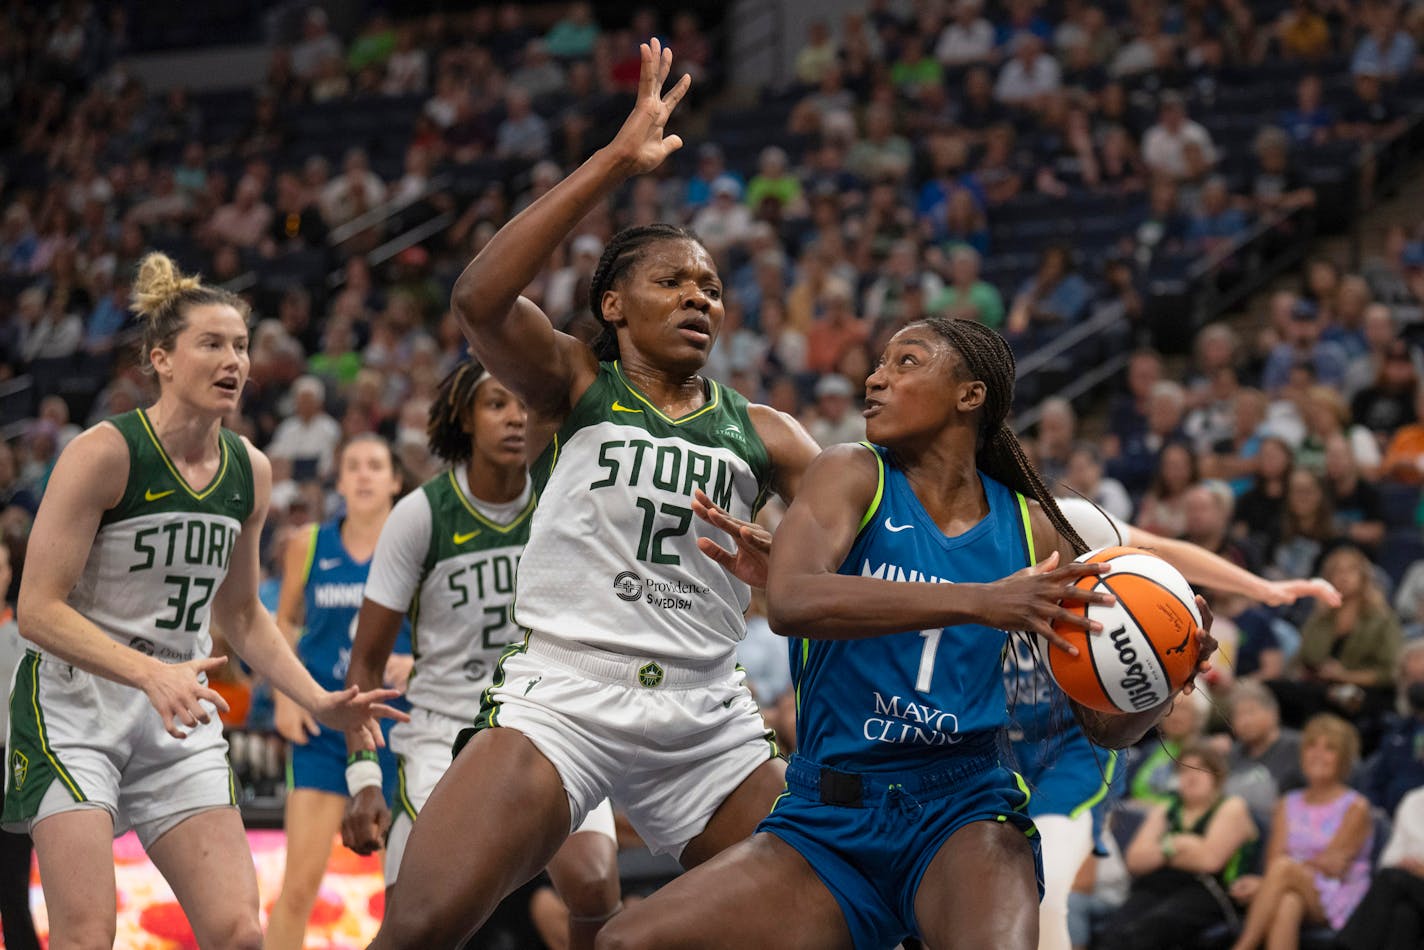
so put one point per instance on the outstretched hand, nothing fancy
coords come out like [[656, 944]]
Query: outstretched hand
[[1281, 593], [749, 562], [358, 713], [640, 143]]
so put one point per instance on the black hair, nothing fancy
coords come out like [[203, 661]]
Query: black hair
[[998, 453], [375, 438], [622, 253], [445, 430]]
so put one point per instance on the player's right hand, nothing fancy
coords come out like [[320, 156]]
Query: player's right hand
[[367, 819], [176, 692], [1037, 597], [293, 723]]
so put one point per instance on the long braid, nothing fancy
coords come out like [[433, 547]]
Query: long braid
[[444, 428], [987, 357], [620, 254]]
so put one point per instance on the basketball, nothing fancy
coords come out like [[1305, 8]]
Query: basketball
[[1148, 645]]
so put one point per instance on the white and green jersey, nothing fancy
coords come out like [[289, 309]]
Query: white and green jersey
[[162, 552], [612, 560], [448, 560]]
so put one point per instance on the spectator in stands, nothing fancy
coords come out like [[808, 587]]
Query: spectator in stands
[[968, 37], [1348, 654], [1359, 510], [1054, 297], [330, 83], [1164, 228], [881, 152], [1188, 850], [774, 181], [1404, 456], [1311, 121], [1326, 416], [47, 331], [1128, 412], [1386, 49], [1398, 766], [1317, 860], [1163, 507], [1030, 76], [966, 296], [539, 74], [1302, 33], [316, 45], [1259, 742], [242, 223], [836, 418], [1370, 115], [357, 190], [915, 70], [784, 352], [1084, 477], [1391, 915], [835, 332], [15, 494], [900, 276], [575, 33], [817, 55], [1149, 49], [1388, 404], [1259, 507], [1133, 456], [725, 221], [408, 66], [1307, 527], [1215, 223], [1054, 441], [1164, 145], [523, 134], [1152, 778], [1305, 346], [308, 437], [18, 241]]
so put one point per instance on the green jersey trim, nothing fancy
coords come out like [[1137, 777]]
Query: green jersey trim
[[492, 525], [879, 488], [710, 405], [1028, 528], [173, 469]]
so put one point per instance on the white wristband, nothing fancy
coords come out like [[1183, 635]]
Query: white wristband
[[363, 774]]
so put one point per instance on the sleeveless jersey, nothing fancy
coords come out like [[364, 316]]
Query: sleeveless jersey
[[612, 560], [884, 702], [462, 613], [332, 591], [161, 553]]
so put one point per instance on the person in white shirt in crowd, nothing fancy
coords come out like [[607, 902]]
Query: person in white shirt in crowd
[[1029, 76], [725, 221], [354, 192], [307, 438], [316, 45], [523, 134], [565, 294], [1084, 477], [968, 37], [1164, 146], [835, 419]]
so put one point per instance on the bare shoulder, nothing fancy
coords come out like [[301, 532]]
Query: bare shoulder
[[785, 438], [1046, 538], [851, 466], [261, 465], [96, 460]]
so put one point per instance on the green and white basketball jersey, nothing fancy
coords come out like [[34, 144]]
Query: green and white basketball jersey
[[461, 617], [612, 560], [162, 552]]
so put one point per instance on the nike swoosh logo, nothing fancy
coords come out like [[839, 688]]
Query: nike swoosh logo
[[459, 538], [327, 563], [151, 495], [894, 528], [619, 407]]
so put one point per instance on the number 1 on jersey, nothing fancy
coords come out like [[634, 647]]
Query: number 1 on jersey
[[927, 658]]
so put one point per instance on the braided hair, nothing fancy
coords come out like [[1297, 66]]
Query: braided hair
[[162, 297], [445, 431], [998, 453], [622, 253]]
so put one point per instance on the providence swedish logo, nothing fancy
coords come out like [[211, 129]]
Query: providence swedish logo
[[650, 675]]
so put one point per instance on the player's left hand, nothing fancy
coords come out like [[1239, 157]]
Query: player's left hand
[[749, 562], [397, 671], [358, 713], [1288, 592], [1206, 645]]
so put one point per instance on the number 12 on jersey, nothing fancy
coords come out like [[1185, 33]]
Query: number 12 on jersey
[[927, 658]]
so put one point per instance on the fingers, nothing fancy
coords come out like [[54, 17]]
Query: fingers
[[1206, 613], [675, 94], [310, 726], [215, 698], [170, 728], [716, 552], [381, 711], [209, 663], [1047, 564], [1048, 632]]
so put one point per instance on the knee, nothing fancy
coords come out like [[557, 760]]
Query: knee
[[590, 892], [245, 935], [617, 934], [418, 924]]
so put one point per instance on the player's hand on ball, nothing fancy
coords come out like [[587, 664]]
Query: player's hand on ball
[[176, 692], [358, 713], [640, 145], [367, 819], [748, 563], [1037, 597], [1206, 645]]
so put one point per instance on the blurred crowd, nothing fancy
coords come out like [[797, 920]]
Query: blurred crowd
[[884, 181]]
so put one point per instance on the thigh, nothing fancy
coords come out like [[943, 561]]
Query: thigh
[[503, 805], [737, 817], [76, 857], [980, 890], [740, 898], [207, 862], [311, 820]]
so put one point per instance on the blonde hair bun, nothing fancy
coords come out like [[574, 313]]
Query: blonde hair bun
[[159, 284]]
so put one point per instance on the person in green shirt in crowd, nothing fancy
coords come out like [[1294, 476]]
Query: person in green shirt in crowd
[[966, 297], [774, 180]]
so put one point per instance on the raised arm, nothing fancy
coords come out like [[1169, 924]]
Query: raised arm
[[511, 336], [1205, 569], [807, 598], [88, 480]]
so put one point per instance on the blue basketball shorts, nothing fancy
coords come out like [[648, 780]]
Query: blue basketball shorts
[[321, 763], [1069, 776], [870, 837]]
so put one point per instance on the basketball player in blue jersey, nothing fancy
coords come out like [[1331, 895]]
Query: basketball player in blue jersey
[[897, 571], [324, 574], [146, 541]]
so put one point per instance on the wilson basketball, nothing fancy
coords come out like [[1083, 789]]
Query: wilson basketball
[[1148, 645]]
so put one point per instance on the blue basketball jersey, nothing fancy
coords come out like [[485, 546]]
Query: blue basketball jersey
[[881, 702], [334, 585]]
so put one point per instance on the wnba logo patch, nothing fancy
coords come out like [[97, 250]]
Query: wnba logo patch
[[650, 675], [20, 768], [628, 586]]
